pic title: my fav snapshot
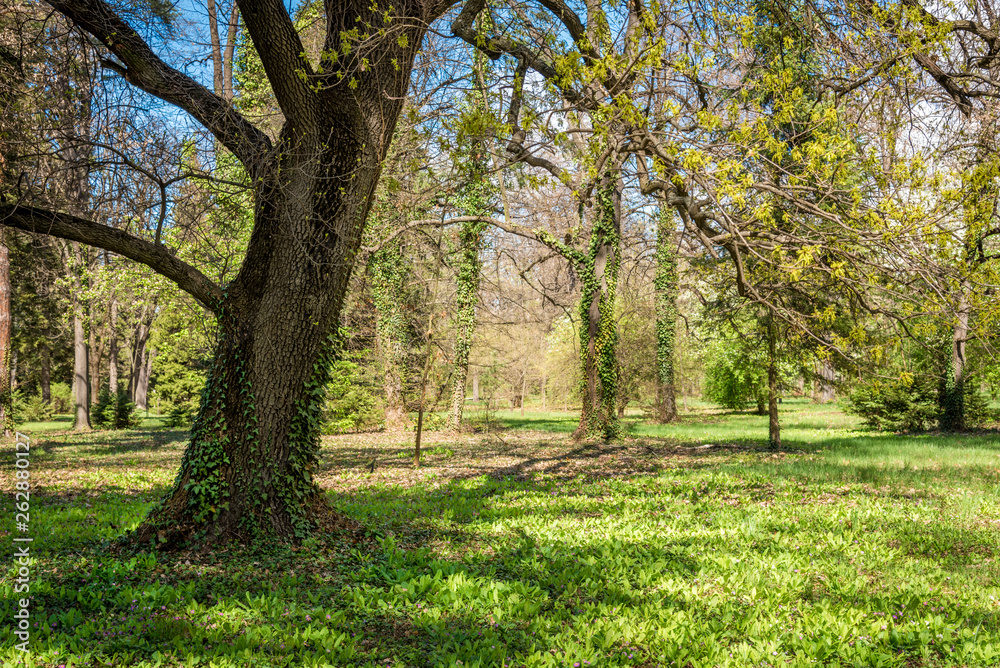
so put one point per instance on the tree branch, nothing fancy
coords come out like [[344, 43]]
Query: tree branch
[[497, 46], [143, 69], [157, 258], [282, 55]]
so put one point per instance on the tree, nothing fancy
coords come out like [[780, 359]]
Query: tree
[[474, 201], [666, 316], [248, 468]]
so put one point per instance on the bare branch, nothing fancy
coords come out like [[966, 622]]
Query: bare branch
[[156, 257], [146, 71]]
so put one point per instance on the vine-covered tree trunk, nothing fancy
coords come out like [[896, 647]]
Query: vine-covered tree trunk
[[774, 424], [598, 329], [387, 274], [474, 199], [6, 391], [466, 298], [247, 471], [952, 396], [665, 283]]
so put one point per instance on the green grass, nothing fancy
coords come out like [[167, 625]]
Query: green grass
[[64, 422], [520, 548]]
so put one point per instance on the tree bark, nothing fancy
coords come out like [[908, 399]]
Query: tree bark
[[774, 425], [666, 317], [113, 346], [598, 331], [81, 366], [6, 391], [827, 376], [95, 345], [139, 354], [45, 377], [142, 384], [218, 84], [953, 394]]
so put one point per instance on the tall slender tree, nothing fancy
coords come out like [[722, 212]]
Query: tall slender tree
[[666, 315]]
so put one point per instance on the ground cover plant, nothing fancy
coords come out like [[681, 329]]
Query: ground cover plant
[[687, 545]]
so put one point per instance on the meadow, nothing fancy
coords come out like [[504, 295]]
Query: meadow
[[688, 545]]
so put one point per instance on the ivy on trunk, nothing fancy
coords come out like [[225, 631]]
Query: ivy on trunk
[[599, 270], [665, 283], [247, 472]]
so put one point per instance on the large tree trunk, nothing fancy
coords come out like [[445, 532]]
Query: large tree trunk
[[248, 470], [666, 317], [6, 391], [953, 393], [598, 331]]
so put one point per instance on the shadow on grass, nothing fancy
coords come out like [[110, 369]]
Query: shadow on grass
[[518, 558], [475, 588]]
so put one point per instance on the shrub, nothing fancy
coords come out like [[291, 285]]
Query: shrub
[[351, 403], [179, 415], [977, 406], [62, 397], [897, 405], [36, 409], [16, 416], [909, 404], [114, 412]]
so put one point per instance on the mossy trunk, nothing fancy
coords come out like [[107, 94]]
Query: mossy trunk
[[247, 473], [665, 283], [598, 329], [387, 273], [6, 391], [952, 395], [466, 298], [774, 424]]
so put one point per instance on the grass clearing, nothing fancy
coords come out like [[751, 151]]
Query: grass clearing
[[519, 548]]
